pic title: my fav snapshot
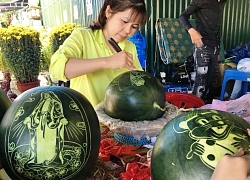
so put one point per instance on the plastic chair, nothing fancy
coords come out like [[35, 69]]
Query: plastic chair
[[234, 74], [184, 100]]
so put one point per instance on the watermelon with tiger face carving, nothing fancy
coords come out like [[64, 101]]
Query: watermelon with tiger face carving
[[191, 144]]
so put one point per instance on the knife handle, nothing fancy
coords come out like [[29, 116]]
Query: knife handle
[[114, 45]]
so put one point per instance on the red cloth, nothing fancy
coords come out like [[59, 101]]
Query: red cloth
[[108, 148], [136, 172], [134, 169]]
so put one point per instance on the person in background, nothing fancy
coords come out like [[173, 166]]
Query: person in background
[[206, 40], [88, 60], [5, 85], [233, 167], [236, 90]]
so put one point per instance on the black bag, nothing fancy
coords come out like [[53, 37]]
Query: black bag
[[182, 74]]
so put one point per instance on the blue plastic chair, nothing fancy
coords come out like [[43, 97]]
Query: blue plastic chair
[[234, 74]]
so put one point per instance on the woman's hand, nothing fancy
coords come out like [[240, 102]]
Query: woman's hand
[[76, 67], [119, 60], [232, 167], [195, 37]]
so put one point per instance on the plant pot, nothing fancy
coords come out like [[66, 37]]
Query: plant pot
[[26, 86]]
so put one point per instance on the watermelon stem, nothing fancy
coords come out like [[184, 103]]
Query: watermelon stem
[[181, 110], [155, 105]]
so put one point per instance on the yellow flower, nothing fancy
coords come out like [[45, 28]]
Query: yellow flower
[[21, 49], [60, 33]]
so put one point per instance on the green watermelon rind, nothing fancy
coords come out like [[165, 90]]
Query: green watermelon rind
[[4, 103], [171, 149], [91, 133], [135, 101]]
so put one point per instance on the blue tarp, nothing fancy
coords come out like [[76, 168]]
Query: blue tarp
[[238, 53]]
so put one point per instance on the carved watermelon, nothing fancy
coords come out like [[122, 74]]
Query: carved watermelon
[[191, 144], [135, 96], [4, 103], [49, 133]]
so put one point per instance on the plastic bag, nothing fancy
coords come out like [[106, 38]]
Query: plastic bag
[[140, 43], [133, 128], [238, 53], [244, 65], [239, 106]]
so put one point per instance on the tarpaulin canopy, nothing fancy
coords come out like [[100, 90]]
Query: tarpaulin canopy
[[12, 5]]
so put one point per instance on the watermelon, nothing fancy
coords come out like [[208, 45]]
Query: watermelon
[[4, 103], [135, 96], [49, 133], [191, 144]]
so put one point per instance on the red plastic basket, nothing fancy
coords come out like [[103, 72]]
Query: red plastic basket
[[184, 100]]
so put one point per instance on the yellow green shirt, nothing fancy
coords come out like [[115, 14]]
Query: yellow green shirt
[[86, 44]]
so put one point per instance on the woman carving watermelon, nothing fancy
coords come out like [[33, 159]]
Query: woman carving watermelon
[[86, 57], [233, 167]]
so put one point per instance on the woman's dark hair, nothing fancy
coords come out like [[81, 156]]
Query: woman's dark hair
[[138, 8]]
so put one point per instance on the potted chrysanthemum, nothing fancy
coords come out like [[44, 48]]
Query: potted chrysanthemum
[[59, 33], [21, 51]]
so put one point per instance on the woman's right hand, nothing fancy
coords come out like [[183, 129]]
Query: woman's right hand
[[119, 60], [233, 167], [76, 67]]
